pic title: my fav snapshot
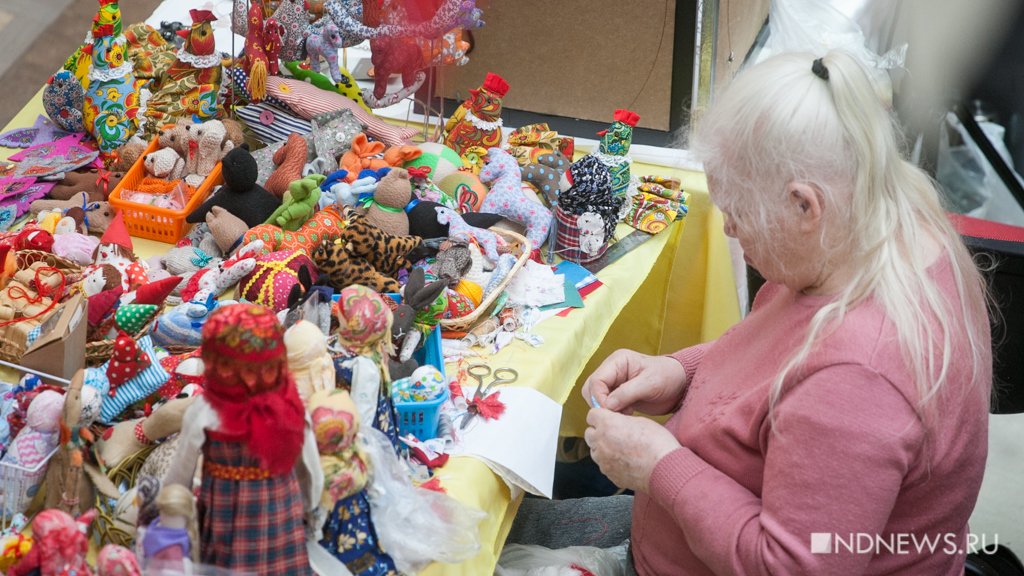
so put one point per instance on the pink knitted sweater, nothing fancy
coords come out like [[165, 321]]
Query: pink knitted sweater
[[848, 456]]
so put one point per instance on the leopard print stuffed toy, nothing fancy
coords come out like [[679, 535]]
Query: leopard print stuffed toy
[[343, 269], [385, 252]]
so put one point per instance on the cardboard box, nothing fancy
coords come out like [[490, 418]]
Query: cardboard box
[[60, 348]]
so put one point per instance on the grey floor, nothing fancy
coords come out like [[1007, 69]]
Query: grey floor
[[36, 36]]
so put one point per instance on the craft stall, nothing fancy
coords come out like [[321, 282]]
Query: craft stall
[[216, 243]]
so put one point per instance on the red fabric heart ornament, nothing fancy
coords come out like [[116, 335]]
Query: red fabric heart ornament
[[127, 361]]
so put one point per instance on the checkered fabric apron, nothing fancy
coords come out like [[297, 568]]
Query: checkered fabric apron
[[250, 525]]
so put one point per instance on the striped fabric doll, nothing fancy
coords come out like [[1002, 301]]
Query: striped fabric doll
[[111, 102], [261, 472]]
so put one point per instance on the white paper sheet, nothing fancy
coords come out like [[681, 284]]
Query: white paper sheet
[[521, 445]]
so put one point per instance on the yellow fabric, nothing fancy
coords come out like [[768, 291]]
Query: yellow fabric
[[675, 290]]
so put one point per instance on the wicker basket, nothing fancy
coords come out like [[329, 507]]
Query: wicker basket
[[13, 339], [519, 243], [100, 351]]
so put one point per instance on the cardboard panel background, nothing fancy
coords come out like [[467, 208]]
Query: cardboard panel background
[[575, 58]]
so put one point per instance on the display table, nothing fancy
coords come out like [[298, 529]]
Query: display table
[[675, 290]]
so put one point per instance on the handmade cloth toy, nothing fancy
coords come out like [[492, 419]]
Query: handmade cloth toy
[[111, 103], [127, 154], [386, 253], [528, 143], [333, 133], [658, 202], [289, 161], [63, 99], [168, 539], [96, 182], [75, 247], [325, 44], [259, 454], [41, 132], [506, 197], [97, 216], [273, 41], [300, 202], [440, 159], [420, 310], [592, 191], [240, 195], [392, 55], [126, 361], [324, 225], [345, 85], [128, 437], [227, 229], [271, 124], [364, 329], [465, 188], [38, 438], [181, 326], [136, 388], [17, 196], [386, 208], [176, 136], [477, 121], [189, 87], [50, 158], [164, 163], [215, 280], [453, 261], [294, 20], [79, 63], [60, 545], [489, 241], [116, 249], [116, 560], [349, 532], [423, 220], [308, 101], [272, 279], [207, 145], [254, 57], [545, 175], [308, 359], [344, 270], [362, 155], [613, 150]]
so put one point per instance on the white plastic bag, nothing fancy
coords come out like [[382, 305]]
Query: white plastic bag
[[415, 526], [523, 560]]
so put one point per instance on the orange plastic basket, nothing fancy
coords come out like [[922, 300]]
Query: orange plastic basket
[[155, 223]]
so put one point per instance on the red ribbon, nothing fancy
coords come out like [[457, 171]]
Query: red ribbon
[[192, 147], [421, 172], [104, 178], [42, 292]]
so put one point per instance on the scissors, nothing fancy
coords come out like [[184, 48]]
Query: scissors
[[480, 372]]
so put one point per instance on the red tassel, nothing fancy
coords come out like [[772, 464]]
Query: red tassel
[[490, 407]]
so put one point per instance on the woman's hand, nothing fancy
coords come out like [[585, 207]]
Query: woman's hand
[[627, 448], [627, 381]]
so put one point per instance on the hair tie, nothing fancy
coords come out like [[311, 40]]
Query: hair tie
[[819, 69]]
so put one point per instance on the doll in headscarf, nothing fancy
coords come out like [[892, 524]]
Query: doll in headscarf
[[261, 472], [308, 359], [364, 329], [349, 533]]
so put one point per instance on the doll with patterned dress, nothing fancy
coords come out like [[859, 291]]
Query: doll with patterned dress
[[261, 480]]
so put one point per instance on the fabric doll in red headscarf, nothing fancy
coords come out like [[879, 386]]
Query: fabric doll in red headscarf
[[261, 472]]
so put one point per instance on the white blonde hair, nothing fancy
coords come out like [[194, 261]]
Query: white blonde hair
[[780, 122]]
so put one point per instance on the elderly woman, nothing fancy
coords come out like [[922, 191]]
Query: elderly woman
[[853, 399]]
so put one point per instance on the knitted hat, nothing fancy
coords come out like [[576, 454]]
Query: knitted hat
[[156, 292], [495, 84], [117, 233]]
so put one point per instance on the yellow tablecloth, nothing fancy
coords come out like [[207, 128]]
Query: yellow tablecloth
[[675, 290]]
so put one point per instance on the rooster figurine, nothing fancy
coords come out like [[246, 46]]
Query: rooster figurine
[[111, 103], [477, 121], [613, 151], [189, 87]]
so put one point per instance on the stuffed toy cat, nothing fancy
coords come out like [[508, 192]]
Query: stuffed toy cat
[[477, 121], [111, 102]]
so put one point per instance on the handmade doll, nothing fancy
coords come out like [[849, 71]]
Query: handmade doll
[[308, 358], [477, 121], [168, 539], [116, 249], [349, 532], [115, 560], [365, 331], [261, 474], [112, 98], [63, 99], [38, 438], [59, 545]]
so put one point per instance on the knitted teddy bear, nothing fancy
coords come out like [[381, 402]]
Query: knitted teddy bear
[[165, 163], [386, 208], [506, 197], [289, 160], [240, 195], [490, 241], [207, 145], [477, 121], [300, 202], [175, 136]]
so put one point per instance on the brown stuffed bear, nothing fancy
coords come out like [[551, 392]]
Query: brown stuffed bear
[[387, 211], [175, 136], [128, 153], [98, 184], [98, 215]]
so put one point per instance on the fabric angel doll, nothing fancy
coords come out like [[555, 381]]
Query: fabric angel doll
[[261, 470], [349, 533], [365, 331]]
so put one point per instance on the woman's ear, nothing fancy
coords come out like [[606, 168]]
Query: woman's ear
[[808, 203]]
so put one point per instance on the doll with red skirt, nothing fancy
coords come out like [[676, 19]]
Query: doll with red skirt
[[261, 477]]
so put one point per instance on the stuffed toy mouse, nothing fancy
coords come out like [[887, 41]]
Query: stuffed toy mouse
[[240, 194]]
